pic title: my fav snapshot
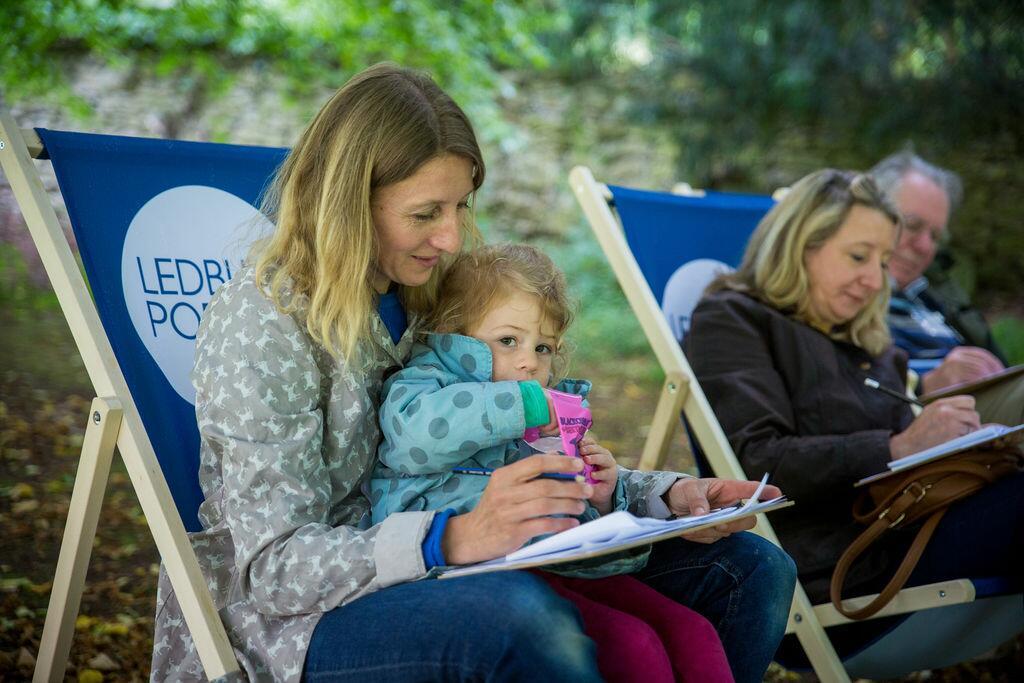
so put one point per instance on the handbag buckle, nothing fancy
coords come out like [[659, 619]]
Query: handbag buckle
[[922, 491], [896, 521]]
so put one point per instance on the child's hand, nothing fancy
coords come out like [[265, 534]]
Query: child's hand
[[605, 472], [551, 428]]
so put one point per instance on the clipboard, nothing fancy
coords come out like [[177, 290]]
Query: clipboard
[[647, 531], [977, 385], [1006, 437]]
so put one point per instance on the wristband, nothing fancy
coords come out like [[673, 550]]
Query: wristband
[[433, 556]]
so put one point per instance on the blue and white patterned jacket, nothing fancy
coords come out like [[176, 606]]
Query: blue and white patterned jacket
[[288, 436]]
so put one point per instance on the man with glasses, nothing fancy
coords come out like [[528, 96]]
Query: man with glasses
[[931, 317]]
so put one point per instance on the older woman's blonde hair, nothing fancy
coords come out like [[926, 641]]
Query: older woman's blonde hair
[[774, 268], [378, 129], [486, 277]]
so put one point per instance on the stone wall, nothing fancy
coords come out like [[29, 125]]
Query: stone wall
[[546, 131]]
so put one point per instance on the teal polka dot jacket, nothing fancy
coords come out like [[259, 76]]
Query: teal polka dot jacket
[[441, 411]]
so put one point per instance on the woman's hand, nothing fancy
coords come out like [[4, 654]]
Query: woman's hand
[[940, 421], [515, 507], [698, 496], [962, 364], [605, 472]]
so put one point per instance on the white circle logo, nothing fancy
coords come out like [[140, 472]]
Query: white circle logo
[[181, 246]]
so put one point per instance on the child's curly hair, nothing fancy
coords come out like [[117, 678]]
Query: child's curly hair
[[483, 278]]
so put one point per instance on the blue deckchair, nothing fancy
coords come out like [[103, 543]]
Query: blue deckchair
[[159, 225], [646, 237]]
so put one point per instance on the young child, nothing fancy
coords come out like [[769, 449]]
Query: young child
[[465, 398]]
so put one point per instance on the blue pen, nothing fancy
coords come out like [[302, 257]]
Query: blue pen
[[487, 471]]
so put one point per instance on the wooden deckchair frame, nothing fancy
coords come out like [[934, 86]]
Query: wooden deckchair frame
[[681, 392], [113, 420]]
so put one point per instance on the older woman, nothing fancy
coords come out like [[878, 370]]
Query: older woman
[[290, 361], [781, 348]]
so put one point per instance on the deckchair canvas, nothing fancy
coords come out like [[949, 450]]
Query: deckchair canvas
[[682, 393], [138, 208]]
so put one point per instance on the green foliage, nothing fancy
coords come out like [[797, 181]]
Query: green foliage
[[756, 70], [1008, 332], [751, 93], [758, 93], [33, 333], [311, 43], [18, 296], [605, 327]]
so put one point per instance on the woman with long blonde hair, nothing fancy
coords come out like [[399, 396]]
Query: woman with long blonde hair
[[782, 348], [373, 200]]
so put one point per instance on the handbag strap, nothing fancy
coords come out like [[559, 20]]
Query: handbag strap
[[910, 488], [882, 524], [924, 492]]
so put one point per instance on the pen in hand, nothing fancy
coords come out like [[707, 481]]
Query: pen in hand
[[875, 384], [487, 471]]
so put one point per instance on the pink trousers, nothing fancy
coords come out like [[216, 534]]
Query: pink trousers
[[641, 635]]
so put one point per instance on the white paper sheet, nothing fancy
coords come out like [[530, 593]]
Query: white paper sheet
[[616, 531]]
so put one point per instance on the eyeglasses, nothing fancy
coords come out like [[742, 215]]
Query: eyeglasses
[[916, 227]]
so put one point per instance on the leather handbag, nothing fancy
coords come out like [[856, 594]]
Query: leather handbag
[[921, 493]]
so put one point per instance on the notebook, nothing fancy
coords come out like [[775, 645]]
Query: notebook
[[612, 533]]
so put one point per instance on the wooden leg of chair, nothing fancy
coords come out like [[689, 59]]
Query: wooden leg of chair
[[823, 657], [663, 425], [76, 546]]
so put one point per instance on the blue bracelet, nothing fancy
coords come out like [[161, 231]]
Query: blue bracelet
[[432, 553]]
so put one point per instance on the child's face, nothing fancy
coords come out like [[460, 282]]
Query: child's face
[[520, 337]]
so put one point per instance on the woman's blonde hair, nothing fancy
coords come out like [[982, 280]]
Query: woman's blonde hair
[[774, 269], [486, 277], [378, 129]]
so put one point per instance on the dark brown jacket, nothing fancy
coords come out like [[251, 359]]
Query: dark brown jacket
[[793, 403]]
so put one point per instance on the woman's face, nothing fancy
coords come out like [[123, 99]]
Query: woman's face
[[848, 270], [420, 218]]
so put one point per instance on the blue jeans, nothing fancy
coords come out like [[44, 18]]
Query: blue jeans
[[980, 536], [505, 626], [742, 584], [511, 626]]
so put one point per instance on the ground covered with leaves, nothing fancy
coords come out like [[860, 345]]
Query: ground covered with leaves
[[41, 435], [41, 432]]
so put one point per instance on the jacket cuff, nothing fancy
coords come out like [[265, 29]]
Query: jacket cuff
[[398, 548], [535, 404], [619, 500], [655, 506]]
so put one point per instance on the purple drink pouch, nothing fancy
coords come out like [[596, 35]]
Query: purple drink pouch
[[573, 422]]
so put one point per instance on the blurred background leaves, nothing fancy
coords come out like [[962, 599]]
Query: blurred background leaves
[[750, 94], [744, 95]]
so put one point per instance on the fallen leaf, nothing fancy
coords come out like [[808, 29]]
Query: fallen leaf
[[102, 662], [26, 659], [633, 391], [90, 676], [21, 490], [109, 627], [23, 506], [14, 583]]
